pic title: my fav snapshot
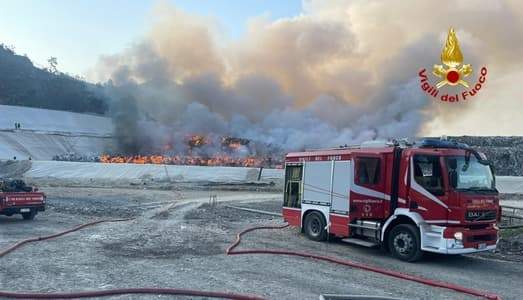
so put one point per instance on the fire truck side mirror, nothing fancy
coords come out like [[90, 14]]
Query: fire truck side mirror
[[453, 178], [453, 163], [453, 174]]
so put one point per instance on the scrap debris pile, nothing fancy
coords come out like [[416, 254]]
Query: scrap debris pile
[[77, 157]]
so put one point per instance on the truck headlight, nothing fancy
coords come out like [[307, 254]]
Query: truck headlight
[[458, 235]]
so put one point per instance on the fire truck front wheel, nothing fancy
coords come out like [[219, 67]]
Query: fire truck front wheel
[[404, 242], [315, 226]]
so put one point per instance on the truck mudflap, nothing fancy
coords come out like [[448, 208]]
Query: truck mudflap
[[457, 240]]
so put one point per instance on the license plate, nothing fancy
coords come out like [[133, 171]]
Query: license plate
[[24, 210], [482, 246]]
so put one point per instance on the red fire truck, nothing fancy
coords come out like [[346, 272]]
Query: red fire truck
[[434, 195], [17, 198]]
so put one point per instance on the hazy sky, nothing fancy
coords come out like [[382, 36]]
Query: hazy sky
[[78, 32]]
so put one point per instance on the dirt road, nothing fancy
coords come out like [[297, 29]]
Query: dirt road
[[178, 240]]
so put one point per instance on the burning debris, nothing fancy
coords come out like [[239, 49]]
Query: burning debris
[[234, 144], [220, 160], [198, 150], [202, 150], [196, 141]]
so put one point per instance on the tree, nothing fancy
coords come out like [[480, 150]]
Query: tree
[[53, 63]]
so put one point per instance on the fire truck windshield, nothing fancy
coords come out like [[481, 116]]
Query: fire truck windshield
[[467, 173]]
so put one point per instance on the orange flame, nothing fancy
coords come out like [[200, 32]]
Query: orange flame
[[219, 160], [451, 54], [226, 157]]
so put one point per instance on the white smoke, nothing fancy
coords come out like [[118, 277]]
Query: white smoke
[[339, 73]]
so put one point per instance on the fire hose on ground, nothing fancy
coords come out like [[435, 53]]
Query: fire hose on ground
[[230, 251], [348, 263], [111, 292]]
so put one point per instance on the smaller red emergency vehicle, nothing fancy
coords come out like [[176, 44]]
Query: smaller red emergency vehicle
[[27, 203]]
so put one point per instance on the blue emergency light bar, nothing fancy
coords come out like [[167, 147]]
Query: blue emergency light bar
[[438, 143]]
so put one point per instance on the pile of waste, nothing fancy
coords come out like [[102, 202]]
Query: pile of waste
[[76, 157]]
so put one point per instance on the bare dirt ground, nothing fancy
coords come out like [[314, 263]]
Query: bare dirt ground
[[178, 240]]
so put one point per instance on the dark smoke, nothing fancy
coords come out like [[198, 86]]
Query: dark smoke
[[130, 136]]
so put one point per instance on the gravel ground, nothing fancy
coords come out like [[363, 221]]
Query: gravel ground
[[178, 240], [272, 206]]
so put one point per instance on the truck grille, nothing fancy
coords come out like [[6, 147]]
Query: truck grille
[[480, 215], [481, 238]]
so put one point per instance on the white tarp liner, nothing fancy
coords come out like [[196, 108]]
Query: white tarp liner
[[340, 186], [45, 133], [317, 182], [509, 184], [43, 146], [47, 120], [85, 170]]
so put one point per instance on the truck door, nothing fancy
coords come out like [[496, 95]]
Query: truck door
[[367, 197], [427, 188], [292, 196], [340, 187]]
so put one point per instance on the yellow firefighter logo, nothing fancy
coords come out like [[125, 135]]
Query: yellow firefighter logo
[[452, 57]]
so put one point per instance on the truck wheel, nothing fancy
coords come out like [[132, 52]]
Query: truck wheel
[[315, 227], [29, 215], [404, 242]]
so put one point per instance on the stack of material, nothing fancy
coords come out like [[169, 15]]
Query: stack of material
[[14, 185]]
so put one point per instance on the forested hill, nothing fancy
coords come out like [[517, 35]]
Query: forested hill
[[23, 84]]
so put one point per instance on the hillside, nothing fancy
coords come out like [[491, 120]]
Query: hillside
[[21, 83]]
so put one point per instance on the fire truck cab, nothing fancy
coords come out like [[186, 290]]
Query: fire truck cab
[[434, 195]]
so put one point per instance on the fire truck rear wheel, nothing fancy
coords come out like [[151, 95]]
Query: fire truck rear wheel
[[29, 215], [315, 227], [404, 242]]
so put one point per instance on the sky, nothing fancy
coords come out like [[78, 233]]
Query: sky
[[352, 64], [78, 32]]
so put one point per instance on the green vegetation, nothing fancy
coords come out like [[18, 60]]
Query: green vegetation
[[23, 84]]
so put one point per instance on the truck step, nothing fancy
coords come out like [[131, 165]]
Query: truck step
[[433, 234], [359, 242]]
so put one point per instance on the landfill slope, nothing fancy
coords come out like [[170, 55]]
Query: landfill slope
[[45, 133]]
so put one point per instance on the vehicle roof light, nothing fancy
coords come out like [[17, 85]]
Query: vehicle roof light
[[438, 143]]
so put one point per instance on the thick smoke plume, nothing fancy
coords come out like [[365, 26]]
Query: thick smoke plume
[[336, 74]]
